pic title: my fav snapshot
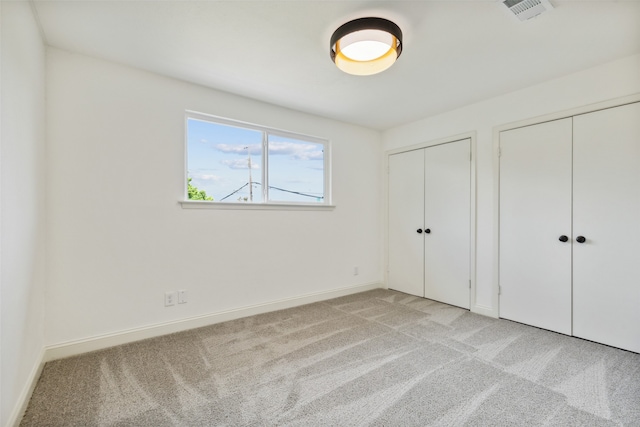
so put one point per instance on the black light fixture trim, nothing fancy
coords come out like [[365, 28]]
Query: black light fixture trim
[[361, 24]]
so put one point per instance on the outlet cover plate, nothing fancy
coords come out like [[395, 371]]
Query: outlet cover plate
[[182, 296], [170, 298]]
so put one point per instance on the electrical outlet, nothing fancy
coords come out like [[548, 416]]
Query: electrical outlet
[[356, 270], [170, 298], [182, 296]]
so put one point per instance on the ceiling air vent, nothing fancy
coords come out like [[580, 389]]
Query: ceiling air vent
[[527, 9]]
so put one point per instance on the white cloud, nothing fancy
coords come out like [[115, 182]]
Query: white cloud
[[202, 176], [238, 149], [213, 178], [240, 164], [296, 150]]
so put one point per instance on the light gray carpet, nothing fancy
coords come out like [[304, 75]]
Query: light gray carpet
[[378, 358]]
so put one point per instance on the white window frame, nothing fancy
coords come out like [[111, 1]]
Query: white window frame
[[265, 204]]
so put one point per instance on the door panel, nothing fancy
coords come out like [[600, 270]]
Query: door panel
[[606, 276], [535, 210], [447, 200], [406, 208]]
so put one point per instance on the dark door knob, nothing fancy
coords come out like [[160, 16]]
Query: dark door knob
[[580, 239], [563, 238], [427, 230], [419, 230]]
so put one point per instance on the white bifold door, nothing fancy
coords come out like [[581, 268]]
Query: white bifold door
[[406, 219], [570, 226], [606, 213], [535, 225], [429, 222]]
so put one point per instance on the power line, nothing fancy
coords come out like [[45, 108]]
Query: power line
[[229, 195], [297, 192], [274, 188]]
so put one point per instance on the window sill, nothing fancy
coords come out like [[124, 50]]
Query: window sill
[[192, 204]]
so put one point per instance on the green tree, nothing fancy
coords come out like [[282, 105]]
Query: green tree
[[195, 193]]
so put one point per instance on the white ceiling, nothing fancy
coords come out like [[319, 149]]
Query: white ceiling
[[455, 52]]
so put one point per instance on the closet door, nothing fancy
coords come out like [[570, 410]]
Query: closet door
[[406, 217], [447, 215], [606, 278], [535, 214]]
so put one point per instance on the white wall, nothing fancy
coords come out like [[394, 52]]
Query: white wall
[[608, 81], [22, 203], [118, 239]]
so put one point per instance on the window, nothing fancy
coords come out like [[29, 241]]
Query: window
[[233, 162]]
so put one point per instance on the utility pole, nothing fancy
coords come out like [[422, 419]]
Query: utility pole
[[250, 183]]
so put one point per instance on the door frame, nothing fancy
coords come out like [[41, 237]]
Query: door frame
[[590, 108], [472, 136]]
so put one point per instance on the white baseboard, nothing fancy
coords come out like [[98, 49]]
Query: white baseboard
[[23, 400], [73, 348]]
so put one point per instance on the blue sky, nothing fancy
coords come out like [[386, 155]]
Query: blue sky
[[218, 162]]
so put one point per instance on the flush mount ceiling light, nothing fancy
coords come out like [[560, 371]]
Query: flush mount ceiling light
[[366, 46]]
